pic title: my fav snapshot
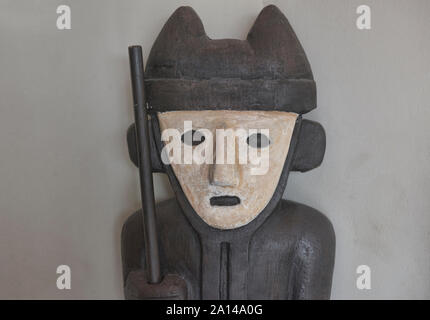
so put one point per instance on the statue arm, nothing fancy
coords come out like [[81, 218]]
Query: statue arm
[[132, 245], [314, 261], [136, 286]]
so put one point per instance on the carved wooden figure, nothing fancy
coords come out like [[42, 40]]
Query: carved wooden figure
[[228, 234]]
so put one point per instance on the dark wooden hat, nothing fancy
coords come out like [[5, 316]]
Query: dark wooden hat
[[186, 70]]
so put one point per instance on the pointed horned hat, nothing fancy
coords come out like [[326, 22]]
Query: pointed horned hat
[[186, 70]]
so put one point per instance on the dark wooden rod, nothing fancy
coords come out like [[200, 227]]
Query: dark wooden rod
[[145, 169]]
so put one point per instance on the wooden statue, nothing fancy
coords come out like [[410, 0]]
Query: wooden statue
[[227, 234]]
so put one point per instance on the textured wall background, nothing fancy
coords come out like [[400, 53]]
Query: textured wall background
[[66, 184]]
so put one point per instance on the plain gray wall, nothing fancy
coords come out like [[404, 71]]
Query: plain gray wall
[[67, 185]]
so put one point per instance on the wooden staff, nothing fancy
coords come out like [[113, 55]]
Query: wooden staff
[[145, 169]]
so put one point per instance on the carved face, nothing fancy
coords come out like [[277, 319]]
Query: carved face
[[234, 160]]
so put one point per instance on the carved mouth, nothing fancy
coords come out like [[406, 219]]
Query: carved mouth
[[224, 201]]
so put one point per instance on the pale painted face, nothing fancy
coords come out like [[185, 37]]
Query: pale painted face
[[230, 195]]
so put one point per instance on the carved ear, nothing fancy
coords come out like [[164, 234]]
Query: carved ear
[[157, 166], [310, 147], [175, 40], [273, 39], [184, 22]]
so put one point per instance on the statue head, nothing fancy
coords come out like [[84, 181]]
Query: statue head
[[227, 116]]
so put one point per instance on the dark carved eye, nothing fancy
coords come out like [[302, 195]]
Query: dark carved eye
[[192, 138], [258, 140]]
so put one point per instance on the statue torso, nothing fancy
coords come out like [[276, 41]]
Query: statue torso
[[283, 259]]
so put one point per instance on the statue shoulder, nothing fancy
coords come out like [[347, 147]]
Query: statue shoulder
[[295, 220]]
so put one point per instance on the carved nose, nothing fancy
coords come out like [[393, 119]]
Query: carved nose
[[224, 175]]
